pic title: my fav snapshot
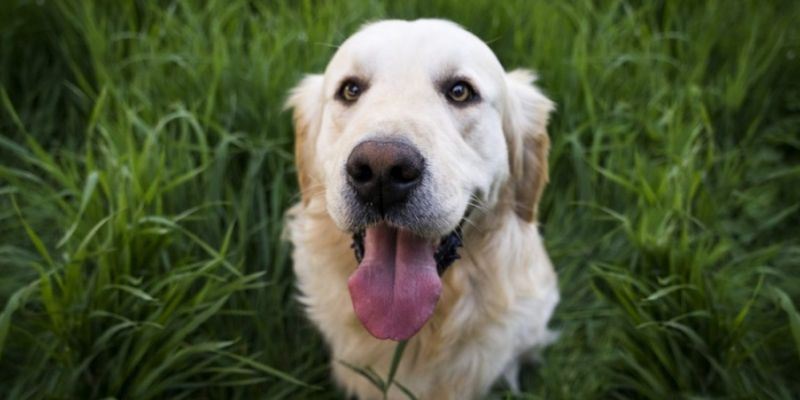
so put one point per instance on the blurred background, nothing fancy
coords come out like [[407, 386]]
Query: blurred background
[[146, 162]]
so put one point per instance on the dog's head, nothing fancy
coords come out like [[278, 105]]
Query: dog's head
[[412, 126]]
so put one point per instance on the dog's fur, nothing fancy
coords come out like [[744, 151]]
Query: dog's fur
[[487, 161]]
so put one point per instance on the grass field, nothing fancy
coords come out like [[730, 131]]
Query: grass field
[[145, 164]]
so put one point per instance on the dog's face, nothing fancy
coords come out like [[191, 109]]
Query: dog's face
[[412, 125]]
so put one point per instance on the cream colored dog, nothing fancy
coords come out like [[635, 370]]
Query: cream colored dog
[[413, 143]]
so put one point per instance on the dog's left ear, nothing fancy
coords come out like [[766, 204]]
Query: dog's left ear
[[525, 127], [305, 100]]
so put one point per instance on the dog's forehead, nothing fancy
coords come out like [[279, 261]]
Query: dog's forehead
[[396, 45]]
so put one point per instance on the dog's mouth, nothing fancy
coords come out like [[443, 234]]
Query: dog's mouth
[[397, 283]]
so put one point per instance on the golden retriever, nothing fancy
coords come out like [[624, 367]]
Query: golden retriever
[[421, 163]]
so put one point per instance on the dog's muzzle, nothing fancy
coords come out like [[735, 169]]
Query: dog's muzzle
[[397, 283]]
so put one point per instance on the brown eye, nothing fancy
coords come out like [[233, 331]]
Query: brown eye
[[461, 92], [350, 91]]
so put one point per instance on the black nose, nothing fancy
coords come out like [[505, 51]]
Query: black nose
[[384, 172]]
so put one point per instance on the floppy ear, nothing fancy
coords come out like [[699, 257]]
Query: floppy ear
[[306, 102], [525, 127]]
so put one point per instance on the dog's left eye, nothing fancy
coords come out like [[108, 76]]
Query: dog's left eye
[[461, 92]]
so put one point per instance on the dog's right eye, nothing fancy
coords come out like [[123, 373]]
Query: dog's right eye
[[350, 91]]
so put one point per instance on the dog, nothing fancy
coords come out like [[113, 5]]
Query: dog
[[420, 164]]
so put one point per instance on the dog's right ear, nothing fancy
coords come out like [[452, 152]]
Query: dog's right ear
[[305, 100]]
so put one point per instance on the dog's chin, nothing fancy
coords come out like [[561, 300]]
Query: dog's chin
[[397, 283]]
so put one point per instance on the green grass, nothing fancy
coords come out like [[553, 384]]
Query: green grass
[[145, 164]]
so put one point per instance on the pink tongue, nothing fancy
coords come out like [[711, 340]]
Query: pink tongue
[[396, 286]]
